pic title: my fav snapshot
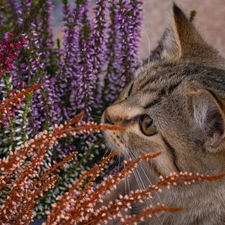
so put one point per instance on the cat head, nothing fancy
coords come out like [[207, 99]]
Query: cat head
[[175, 105]]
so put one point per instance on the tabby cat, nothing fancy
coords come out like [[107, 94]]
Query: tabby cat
[[176, 105]]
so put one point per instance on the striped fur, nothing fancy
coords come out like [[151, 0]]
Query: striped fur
[[184, 94]]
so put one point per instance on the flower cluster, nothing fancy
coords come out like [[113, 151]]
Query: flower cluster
[[8, 51]]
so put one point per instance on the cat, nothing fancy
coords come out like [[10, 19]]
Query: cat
[[176, 105]]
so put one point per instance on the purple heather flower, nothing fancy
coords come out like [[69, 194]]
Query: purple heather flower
[[12, 7], [122, 46], [112, 55], [129, 20], [99, 35], [66, 76], [42, 103], [86, 74]]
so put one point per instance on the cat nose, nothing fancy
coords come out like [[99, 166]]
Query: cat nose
[[106, 118], [113, 116]]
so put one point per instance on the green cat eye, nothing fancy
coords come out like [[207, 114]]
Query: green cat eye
[[147, 126]]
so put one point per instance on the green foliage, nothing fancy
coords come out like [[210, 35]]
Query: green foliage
[[86, 30], [25, 113], [6, 81], [65, 2], [192, 15]]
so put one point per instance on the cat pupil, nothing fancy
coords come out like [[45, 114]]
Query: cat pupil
[[148, 122], [129, 93], [146, 125]]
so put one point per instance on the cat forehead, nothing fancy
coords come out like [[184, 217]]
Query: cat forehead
[[167, 76], [157, 78]]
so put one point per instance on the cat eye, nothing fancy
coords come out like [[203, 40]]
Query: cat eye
[[147, 126]]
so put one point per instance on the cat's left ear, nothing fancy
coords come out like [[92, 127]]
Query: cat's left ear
[[210, 119], [183, 40]]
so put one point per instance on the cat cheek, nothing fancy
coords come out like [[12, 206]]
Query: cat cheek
[[115, 141]]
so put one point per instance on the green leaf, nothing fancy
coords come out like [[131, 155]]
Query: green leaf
[[192, 15]]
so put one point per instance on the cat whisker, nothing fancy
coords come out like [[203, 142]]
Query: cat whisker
[[149, 48], [150, 182], [148, 202], [94, 116], [140, 166], [141, 184]]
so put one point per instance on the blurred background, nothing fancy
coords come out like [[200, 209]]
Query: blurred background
[[210, 21]]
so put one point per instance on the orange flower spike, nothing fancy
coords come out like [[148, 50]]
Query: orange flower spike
[[75, 120], [186, 178], [14, 99], [88, 127], [93, 172], [54, 168], [104, 212], [36, 187], [148, 212], [82, 203], [89, 203]]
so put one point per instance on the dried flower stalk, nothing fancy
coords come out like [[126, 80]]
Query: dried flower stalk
[[19, 177], [15, 99], [77, 205]]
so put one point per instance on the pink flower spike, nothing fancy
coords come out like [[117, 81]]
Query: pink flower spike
[[18, 46], [24, 41], [7, 68], [7, 40], [11, 34], [4, 123], [9, 60]]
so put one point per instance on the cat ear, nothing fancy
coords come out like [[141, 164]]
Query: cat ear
[[182, 39], [210, 119]]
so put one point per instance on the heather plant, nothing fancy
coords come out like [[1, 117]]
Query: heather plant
[[85, 72]]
